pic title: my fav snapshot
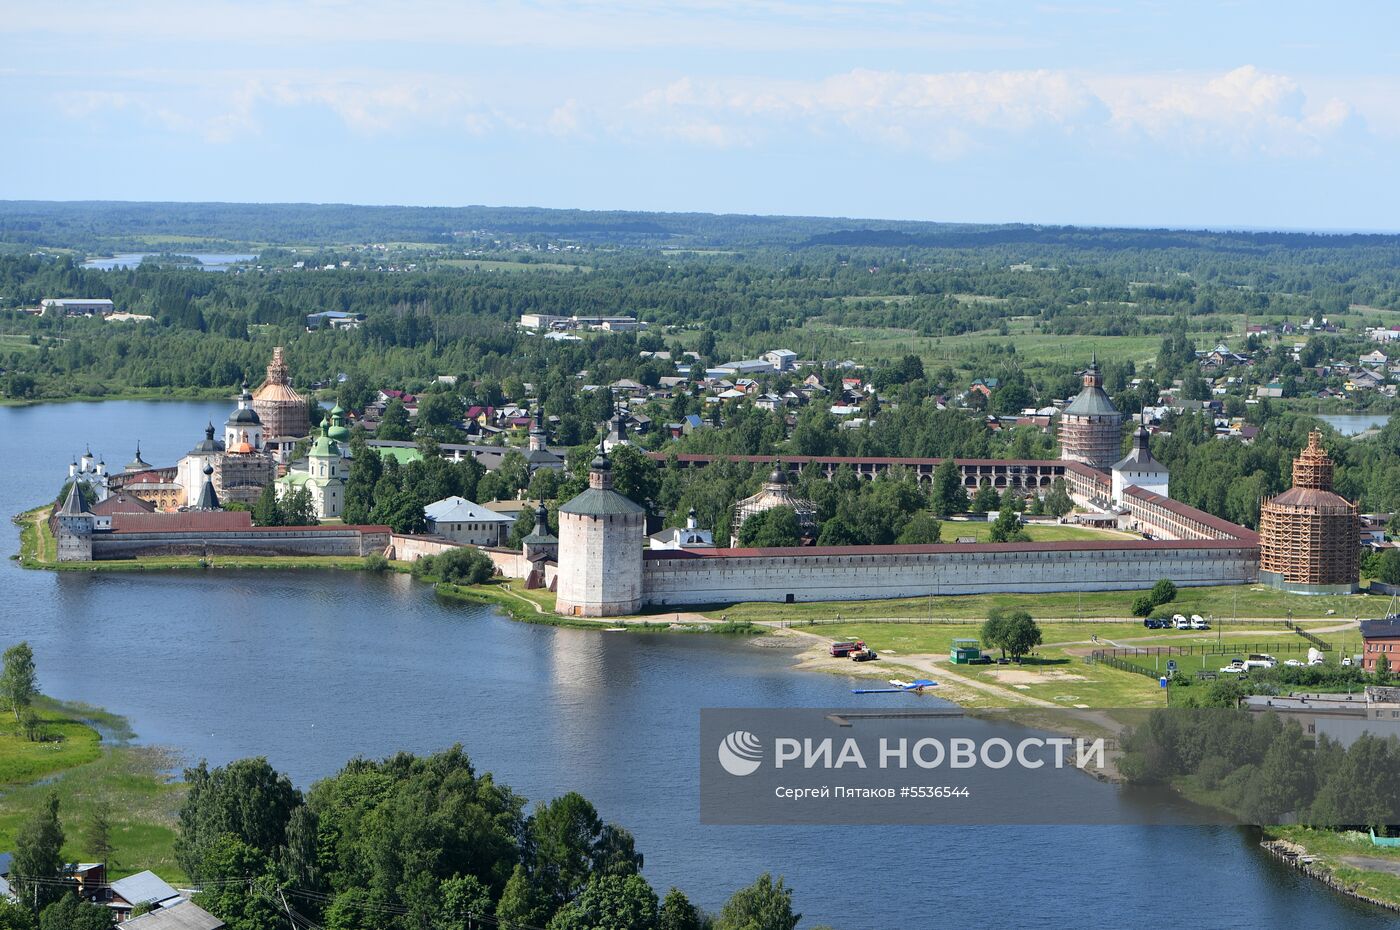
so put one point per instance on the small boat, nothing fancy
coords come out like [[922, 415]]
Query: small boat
[[916, 686]]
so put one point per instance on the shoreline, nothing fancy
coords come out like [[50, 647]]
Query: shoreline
[[198, 394]]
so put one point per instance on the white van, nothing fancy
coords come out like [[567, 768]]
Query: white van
[[1199, 623], [1260, 660], [1180, 622]]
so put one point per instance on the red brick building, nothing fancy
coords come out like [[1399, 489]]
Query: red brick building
[[1380, 637]]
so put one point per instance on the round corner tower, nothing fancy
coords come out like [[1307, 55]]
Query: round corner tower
[[280, 408], [600, 549], [1308, 534], [1091, 428]]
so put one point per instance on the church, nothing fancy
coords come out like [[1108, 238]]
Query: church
[[241, 464], [324, 472]]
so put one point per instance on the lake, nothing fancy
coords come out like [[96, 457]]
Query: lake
[[1350, 424], [312, 668], [209, 261]]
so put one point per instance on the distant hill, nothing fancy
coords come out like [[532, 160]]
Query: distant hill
[[121, 225]]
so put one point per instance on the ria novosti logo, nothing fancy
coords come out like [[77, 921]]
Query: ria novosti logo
[[740, 753]]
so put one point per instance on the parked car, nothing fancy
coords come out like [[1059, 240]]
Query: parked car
[[1181, 622], [1199, 623], [1346, 660], [1235, 667], [1296, 663], [1157, 623]]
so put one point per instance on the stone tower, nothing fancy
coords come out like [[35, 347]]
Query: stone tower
[[601, 534], [1091, 428], [280, 408], [1308, 534], [74, 526]]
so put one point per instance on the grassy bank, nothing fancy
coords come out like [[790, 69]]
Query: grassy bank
[[1350, 860], [124, 394], [74, 762], [1056, 673], [1227, 601]]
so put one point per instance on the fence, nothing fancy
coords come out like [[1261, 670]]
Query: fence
[[1321, 644], [1204, 649], [973, 621], [1121, 665]]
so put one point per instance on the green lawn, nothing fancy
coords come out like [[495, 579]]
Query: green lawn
[[75, 764], [1225, 601], [1057, 532], [67, 743], [490, 264], [1032, 347], [143, 801]]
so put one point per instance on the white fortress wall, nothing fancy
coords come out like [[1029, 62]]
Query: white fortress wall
[[1024, 570], [284, 541]]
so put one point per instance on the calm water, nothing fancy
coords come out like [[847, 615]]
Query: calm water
[[1349, 424], [210, 261], [311, 669]]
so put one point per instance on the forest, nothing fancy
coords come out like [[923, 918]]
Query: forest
[[403, 843]]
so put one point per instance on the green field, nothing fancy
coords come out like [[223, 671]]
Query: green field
[[67, 743], [982, 531], [1057, 671], [73, 762], [489, 264], [143, 802], [1227, 601], [886, 344]]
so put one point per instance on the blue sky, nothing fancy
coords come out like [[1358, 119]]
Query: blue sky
[[1243, 114]]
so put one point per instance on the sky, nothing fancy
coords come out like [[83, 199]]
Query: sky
[[1277, 114]]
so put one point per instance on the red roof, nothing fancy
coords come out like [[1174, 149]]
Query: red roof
[[850, 460], [183, 522], [1191, 513], [219, 521], [122, 503], [1086, 545]]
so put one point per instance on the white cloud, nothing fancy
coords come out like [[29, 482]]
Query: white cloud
[[1244, 111], [951, 114]]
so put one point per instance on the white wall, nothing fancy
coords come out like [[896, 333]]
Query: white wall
[[714, 579]]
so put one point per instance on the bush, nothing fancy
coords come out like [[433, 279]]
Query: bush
[[1142, 605], [375, 562], [1163, 592], [463, 566]]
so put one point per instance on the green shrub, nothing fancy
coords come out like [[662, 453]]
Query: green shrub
[[1163, 592], [1142, 605]]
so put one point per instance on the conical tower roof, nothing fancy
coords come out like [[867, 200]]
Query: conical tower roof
[[75, 503], [208, 499]]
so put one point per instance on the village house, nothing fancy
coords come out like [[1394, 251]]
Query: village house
[[460, 520]]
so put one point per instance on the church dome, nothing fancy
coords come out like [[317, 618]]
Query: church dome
[[339, 431], [208, 443], [245, 416]]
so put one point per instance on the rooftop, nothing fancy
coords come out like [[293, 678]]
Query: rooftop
[[597, 502], [185, 915], [461, 510], [143, 888]]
